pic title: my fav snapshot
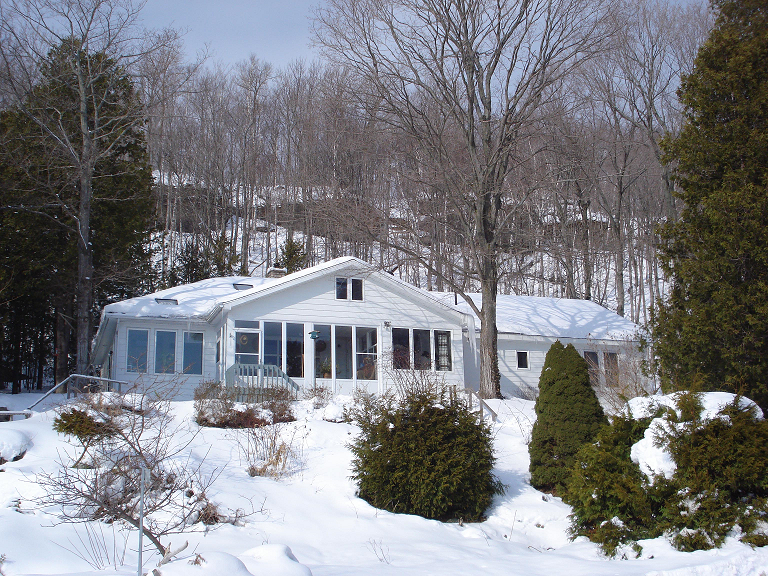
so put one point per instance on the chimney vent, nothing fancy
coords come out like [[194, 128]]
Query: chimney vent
[[276, 272]]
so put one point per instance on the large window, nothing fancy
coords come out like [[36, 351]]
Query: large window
[[401, 348], [137, 350], [422, 356], [165, 352], [366, 345], [247, 347], [193, 352], [294, 349], [323, 351], [443, 361], [344, 352], [273, 344]]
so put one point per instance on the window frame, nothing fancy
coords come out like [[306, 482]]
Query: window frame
[[345, 289], [185, 363], [527, 360], [169, 367], [137, 360]]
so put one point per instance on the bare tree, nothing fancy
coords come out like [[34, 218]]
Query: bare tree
[[464, 78], [93, 43]]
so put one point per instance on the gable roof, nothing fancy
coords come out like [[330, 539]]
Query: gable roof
[[201, 300], [552, 317]]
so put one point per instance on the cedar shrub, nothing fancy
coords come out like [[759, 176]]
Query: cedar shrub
[[426, 455], [568, 415]]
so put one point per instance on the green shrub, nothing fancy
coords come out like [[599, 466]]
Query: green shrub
[[568, 415], [428, 455], [719, 487], [612, 501]]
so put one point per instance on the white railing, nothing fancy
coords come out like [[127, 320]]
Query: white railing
[[258, 382], [483, 407]]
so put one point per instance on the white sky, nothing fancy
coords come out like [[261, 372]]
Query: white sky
[[276, 31]]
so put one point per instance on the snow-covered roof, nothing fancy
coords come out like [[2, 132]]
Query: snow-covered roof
[[551, 317], [200, 299], [194, 300]]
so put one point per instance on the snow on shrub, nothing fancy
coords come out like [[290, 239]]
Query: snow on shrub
[[691, 466]]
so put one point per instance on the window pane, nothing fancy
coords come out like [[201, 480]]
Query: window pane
[[165, 352], [357, 289], [611, 361], [443, 351], [401, 348], [593, 366], [522, 360], [294, 343], [137, 350], [193, 352], [343, 351], [247, 347], [254, 324], [341, 288], [323, 366], [366, 343], [273, 344], [422, 358]]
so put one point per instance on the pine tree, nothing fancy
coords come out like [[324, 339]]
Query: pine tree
[[293, 256], [712, 330], [568, 415], [39, 214]]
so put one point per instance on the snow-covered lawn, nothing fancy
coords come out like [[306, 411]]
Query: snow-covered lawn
[[311, 522]]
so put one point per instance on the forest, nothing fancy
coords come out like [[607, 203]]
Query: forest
[[516, 149]]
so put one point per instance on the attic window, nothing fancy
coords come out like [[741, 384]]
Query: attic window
[[241, 286], [167, 301]]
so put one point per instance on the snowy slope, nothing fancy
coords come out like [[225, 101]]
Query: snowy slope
[[311, 522]]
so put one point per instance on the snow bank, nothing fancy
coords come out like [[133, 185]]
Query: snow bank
[[265, 559], [13, 444]]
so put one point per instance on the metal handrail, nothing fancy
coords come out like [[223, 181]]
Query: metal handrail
[[74, 377]]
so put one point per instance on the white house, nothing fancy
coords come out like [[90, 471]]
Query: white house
[[343, 324]]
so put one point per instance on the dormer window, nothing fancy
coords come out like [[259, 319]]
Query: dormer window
[[242, 286], [349, 289], [167, 301]]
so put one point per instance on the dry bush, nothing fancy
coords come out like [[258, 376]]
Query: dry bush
[[143, 435], [319, 394], [269, 450], [279, 404]]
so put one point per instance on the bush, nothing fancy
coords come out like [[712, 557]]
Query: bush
[[568, 415], [613, 503], [719, 487], [427, 455], [215, 407]]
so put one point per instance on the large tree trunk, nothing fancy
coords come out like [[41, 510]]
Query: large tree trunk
[[490, 386]]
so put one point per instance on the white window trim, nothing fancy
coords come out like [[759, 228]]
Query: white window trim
[[517, 361], [349, 280]]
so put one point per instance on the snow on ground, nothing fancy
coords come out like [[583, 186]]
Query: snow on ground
[[311, 522]]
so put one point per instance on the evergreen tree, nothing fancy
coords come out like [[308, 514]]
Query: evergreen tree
[[40, 196], [293, 256], [712, 330], [568, 415]]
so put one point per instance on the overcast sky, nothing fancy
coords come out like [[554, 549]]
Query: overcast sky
[[277, 31]]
